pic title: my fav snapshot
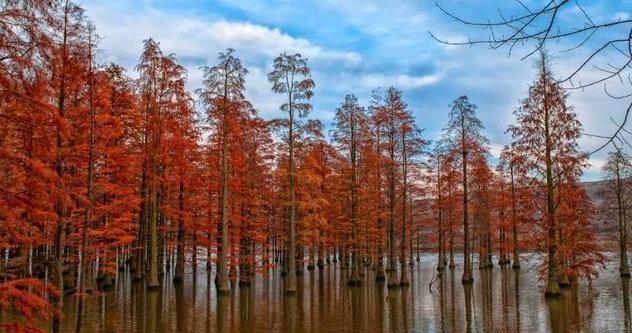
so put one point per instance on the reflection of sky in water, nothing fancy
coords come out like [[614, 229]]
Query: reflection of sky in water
[[325, 304]]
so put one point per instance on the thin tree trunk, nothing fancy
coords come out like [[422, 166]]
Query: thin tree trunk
[[393, 280], [404, 280], [179, 274], [467, 268], [290, 288], [90, 181], [514, 217], [60, 206], [441, 261], [624, 271], [354, 277], [223, 286], [153, 283], [552, 287]]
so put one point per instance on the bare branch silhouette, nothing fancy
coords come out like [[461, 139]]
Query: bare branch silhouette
[[533, 28]]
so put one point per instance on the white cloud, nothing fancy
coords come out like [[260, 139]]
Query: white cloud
[[389, 38], [495, 149], [621, 16], [196, 41], [269, 42], [401, 81], [596, 165], [192, 36], [258, 91]]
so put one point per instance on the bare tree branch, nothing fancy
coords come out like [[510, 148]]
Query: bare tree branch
[[538, 27]]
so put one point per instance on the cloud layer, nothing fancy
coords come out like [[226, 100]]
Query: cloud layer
[[353, 47]]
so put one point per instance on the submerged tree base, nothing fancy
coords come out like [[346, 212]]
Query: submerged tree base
[[223, 292], [564, 282], [552, 289], [354, 283], [467, 278]]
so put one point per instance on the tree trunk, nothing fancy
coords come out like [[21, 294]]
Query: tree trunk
[[153, 283], [60, 206], [180, 255], [552, 287], [441, 259], [514, 217], [354, 277], [404, 280], [393, 280], [467, 268], [90, 180], [624, 271], [223, 285], [290, 287]]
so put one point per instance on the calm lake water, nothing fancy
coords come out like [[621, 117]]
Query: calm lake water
[[500, 300]]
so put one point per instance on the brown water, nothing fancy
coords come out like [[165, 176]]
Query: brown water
[[500, 300]]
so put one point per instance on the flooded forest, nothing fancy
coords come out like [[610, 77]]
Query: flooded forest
[[161, 197]]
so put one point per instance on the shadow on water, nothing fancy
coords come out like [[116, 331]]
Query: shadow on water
[[625, 288], [467, 297], [500, 300], [516, 290]]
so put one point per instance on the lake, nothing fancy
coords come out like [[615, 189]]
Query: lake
[[500, 300]]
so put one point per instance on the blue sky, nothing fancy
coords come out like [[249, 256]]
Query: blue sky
[[355, 46]]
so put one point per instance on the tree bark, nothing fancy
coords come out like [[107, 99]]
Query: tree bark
[[514, 217], [354, 277], [552, 287], [404, 280], [467, 268], [624, 271], [180, 256], [290, 287], [223, 286]]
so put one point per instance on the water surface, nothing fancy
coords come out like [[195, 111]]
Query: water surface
[[500, 300]]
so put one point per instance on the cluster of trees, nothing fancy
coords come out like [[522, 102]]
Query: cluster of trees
[[533, 191], [100, 172], [618, 170]]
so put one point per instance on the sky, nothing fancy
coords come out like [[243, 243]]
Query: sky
[[356, 46]]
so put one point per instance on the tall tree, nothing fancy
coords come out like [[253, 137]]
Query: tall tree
[[511, 172], [412, 146], [161, 85], [91, 142], [223, 95], [66, 61], [435, 178], [291, 77], [28, 177], [393, 117], [374, 150], [350, 122], [481, 199], [464, 132], [618, 169], [179, 167], [545, 136]]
